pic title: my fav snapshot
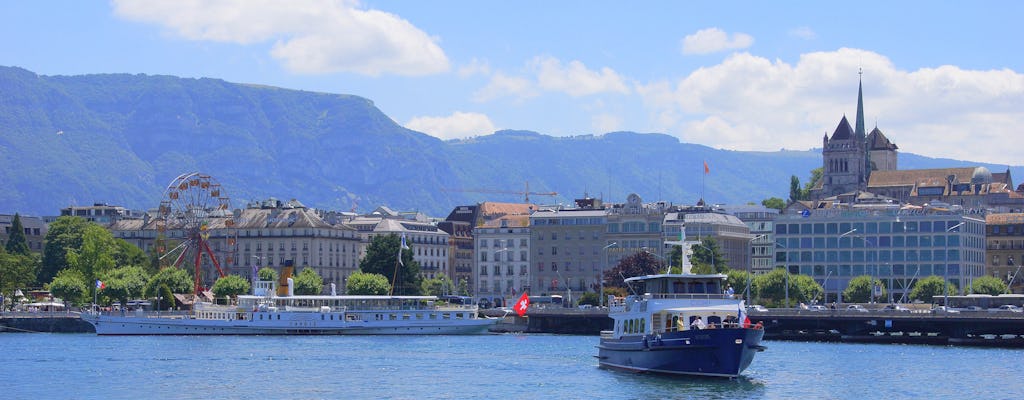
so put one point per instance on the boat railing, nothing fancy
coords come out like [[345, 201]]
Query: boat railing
[[691, 296]]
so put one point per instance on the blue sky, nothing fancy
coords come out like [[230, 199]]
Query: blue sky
[[942, 79]]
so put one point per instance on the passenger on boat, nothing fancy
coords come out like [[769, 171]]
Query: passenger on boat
[[697, 324]]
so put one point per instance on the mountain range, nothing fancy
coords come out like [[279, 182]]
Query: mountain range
[[120, 139]]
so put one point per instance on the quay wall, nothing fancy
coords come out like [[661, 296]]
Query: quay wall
[[44, 322]]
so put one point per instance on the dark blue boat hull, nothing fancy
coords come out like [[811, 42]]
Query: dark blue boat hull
[[709, 352]]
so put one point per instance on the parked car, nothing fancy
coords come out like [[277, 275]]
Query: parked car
[[856, 308], [943, 309], [1007, 307], [973, 308], [895, 308], [817, 307], [757, 307]]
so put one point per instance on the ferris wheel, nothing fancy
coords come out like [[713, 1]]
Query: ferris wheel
[[190, 204]]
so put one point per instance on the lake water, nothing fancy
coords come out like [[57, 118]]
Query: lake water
[[85, 366]]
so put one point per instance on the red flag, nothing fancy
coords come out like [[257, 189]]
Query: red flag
[[706, 169], [522, 304]]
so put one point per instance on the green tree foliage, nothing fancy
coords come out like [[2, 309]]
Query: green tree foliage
[[69, 285], [737, 280], [675, 256], [771, 288], [795, 193], [93, 257], [988, 285], [165, 300], [231, 286], [17, 243], [177, 280], [439, 286], [463, 287], [638, 264], [125, 253], [816, 175], [17, 271], [860, 288], [590, 298], [361, 283], [708, 254], [774, 202], [930, 286], [267, 274], [381, 258], [308, 282], [124, 283], [62, 235]]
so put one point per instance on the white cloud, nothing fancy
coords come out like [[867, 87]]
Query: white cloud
[[575, 79], [603, 123], [502, 85], [713, 40], [475, 67], [308, 36], [455, 126], [548, 74], [803, 32], [753, 103]]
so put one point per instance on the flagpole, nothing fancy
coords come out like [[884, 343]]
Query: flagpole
[[702, 177]]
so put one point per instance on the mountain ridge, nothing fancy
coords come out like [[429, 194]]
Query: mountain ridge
[[121, 138]]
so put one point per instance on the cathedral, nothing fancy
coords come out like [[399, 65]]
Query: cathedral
[[862, 167], [850, 156]]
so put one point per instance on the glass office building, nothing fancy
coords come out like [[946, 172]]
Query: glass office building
[[897, 246]]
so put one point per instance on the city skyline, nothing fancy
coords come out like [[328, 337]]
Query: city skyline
[[945, 82]]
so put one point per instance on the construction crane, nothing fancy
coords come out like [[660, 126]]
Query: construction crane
[[526, 192]]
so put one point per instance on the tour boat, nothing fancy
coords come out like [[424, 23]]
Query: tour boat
[[657, 330], [264, 313]]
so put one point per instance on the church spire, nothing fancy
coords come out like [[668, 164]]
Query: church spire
[[859, 130]]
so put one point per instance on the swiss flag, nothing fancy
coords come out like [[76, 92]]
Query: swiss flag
[[522, 304]]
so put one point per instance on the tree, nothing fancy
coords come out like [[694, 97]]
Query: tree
[[308, 282], [165, 298], [93, 257], [439, 286], [463, 287], [795, 193], [69, 285], [860, 289], [381, 259], [17, 243], [267, 274], [230, 286], [361, 283], [62, 235], [770, 288], [590, 298], [774, 202], [737, 280], [926, 288], [639, 264], [708, 254], [816, 175], [124, 283], [125, 253], [177, 280], [16, 271], [988, 285]]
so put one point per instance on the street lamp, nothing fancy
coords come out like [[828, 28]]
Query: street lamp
[[604, 267], [749, 243], [786, 267], [945, 287]]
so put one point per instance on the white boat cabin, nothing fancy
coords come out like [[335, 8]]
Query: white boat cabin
[[673, 303]]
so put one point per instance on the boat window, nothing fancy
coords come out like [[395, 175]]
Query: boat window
[[678, 287], [713, 287], [643, 325]]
